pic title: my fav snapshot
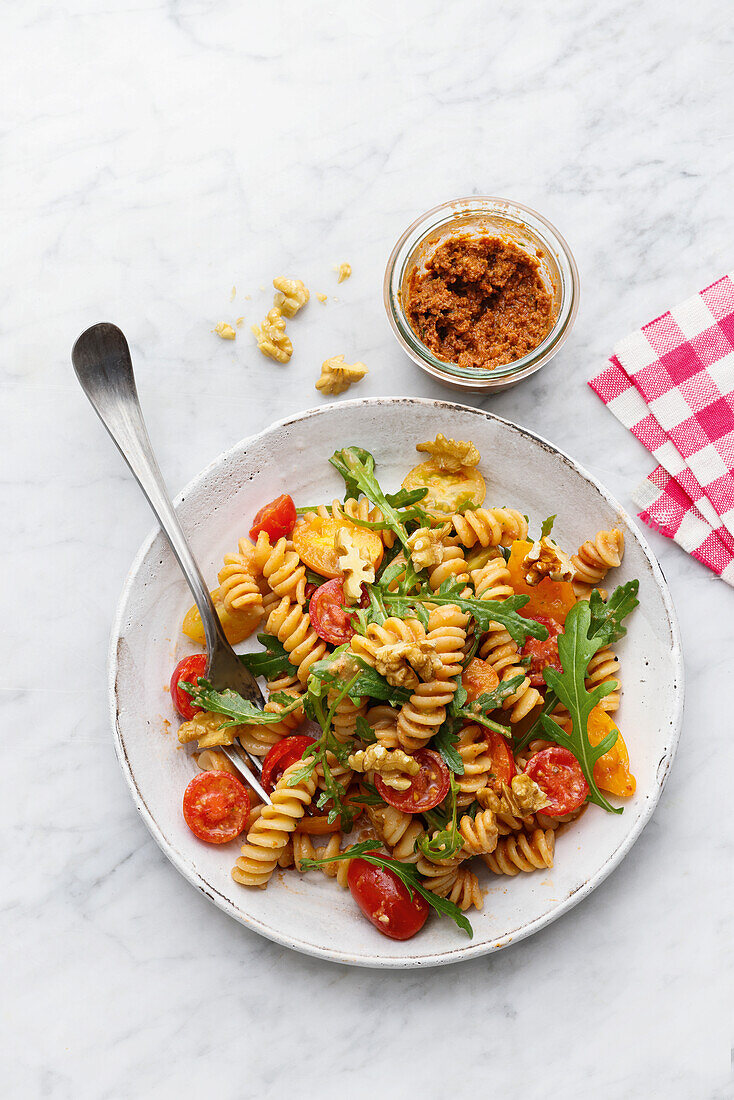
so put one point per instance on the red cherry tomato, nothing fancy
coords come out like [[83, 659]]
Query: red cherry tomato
[[558, 774], [216, 807], [503, 762], [276, 519], [429, 787], [542, 654], [385, 900], [190, 669], [280, 758], [328, 617]]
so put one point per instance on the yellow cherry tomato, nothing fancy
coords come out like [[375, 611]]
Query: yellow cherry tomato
[[313, 541], [612, 770], [447, 492], [237, 626], [553, 599]]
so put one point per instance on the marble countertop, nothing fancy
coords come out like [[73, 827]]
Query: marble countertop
[[154, 155]]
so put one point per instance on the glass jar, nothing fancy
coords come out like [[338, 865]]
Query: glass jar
[[481, 217]]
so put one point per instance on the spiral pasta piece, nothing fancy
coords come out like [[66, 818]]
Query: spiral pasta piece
[[448, 879], [210, 760], [344, 724], [466, 891], [604, 669], [522, 852], [473, 748], [595, 558], [391, 631], [490, 526], [421, 717], [480, 833], [304, 848], [493, 582], [453, 567], [383, 721], [269, 836], [237, 586], [282, 568], [292, 627], [398, 831]]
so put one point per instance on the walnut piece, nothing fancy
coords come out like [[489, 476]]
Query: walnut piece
[[271, 337], [523, 796], [337, 376], [394, 765], [392, 662], [291, 295], [426, 547], [451, 454], [356, 571], [546, 559], [343, 271], [225, 331]]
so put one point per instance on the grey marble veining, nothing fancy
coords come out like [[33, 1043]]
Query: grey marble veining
[[154, 154]]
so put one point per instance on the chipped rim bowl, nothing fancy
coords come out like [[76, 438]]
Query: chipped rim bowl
[[481, 214], [310, 913]]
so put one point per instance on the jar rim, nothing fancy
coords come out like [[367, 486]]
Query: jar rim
[[455, 211]]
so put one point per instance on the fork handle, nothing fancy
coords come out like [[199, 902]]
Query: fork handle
[[103, 365]]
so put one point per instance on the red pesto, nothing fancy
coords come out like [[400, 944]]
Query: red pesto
[[480, 302]]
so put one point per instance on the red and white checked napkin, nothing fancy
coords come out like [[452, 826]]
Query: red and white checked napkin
[[672, 384]]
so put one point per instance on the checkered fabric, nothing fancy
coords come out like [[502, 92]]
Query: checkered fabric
[[672, 384]]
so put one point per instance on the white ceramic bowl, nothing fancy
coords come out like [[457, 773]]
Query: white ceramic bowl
[[311, 913]]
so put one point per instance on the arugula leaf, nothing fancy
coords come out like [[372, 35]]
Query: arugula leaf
[[406, 498], [483, 612], [445, 742], [232, 705], [367, 682], [364, 731], [547, 526], [368, 795], [357, 467], [407, 874], [272, 662], [606, 618], [575, 649], [605, 628], [488, 701]]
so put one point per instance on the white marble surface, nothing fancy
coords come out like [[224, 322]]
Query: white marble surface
[[153, 155]]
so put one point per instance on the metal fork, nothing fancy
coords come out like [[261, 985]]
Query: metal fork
[[102, 363]]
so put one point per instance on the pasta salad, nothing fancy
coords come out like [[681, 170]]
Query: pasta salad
[[441, 682]]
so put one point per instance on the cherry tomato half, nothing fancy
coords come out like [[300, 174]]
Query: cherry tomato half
[[280, 758], [429, 787], [216, 807], [385, 900], [558, 774], [503, 762], [477, 678], [543, 654], [189, 670], [276, 519], [328, 617]]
